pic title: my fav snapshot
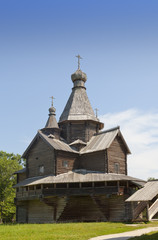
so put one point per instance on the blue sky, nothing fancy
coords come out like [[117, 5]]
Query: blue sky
[[118, 40]]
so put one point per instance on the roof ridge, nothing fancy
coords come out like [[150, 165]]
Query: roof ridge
[[108, 130]]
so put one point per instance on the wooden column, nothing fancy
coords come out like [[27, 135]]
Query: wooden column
[[147, 212]]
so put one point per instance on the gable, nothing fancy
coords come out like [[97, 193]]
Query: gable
[[41, 159], [103, 141], [117, 156], [51, 142]]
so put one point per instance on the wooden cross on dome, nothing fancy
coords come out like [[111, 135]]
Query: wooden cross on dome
[[96, 110], [52, 99], [79, 57]]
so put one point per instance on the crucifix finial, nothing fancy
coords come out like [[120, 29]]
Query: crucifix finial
[[79, 57], [52, 99], [96, 110]]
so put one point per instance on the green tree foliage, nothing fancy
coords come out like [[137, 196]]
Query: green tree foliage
[[152, 179], [9, 163]]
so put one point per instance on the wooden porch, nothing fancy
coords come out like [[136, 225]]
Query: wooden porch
[[145, 202], [34, 193]]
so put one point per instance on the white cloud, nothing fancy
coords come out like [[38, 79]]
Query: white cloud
[[140, 130]]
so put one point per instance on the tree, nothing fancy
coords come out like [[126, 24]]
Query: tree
[[9, 163], [152, 179]]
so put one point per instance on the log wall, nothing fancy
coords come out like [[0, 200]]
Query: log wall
[[95, 161], [40, 155], [21, 213], [80, 209], [39, 212], [95, 208], [21, 177], [117, 154], [66, 162], [82, 130]]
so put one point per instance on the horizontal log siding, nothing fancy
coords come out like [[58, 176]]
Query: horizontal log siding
[[94, 161], [58, 204], [117, 208], [40, 154], [72, 162], [21, 177], [21, 213], [117, 154], [102, 207], [72, 131], [81, 208], [39, 212]]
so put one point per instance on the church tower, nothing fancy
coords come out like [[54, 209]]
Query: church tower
[[51, 126], [78, 121]]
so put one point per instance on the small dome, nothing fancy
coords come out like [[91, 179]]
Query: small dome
[[52, 110], [79, 75]]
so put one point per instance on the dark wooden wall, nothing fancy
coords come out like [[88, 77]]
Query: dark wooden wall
[[21, 212], [71, 159], [75, 209], [81, 208], [117, 154], [82, 130], [40, 154], [95, 161], [21, 176], [39, 212]]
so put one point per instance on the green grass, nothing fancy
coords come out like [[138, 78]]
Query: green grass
[[67, 231], [149, 236]]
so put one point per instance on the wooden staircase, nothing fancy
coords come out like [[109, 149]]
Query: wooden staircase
[[138, 210], [153, 209]]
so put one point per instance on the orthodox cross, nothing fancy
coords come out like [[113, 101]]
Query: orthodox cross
[[96, 110], [79, 57], [52, 99]]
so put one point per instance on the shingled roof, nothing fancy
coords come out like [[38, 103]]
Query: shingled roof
[[78, 106], [147, 193], [80, 175], [103, 141], [51, 141], [98, 142]]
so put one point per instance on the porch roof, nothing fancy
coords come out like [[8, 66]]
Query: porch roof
[[147, 193], [81, 175]]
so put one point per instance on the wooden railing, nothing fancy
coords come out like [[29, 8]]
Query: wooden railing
[[24, 194], [68, 191], [153, 209]]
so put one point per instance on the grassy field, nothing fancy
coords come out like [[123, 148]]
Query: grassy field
[[149, 236], [67, 231]]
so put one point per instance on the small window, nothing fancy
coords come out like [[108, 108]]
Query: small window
[[116, 167], [41, 169], [65, 164]]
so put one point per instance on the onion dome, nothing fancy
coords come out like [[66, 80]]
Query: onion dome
[[79, 75], [52, 123]]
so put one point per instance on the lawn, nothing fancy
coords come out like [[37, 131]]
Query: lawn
[[149, 236], [67, 231]]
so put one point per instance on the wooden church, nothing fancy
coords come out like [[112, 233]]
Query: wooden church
[[74, 171]]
